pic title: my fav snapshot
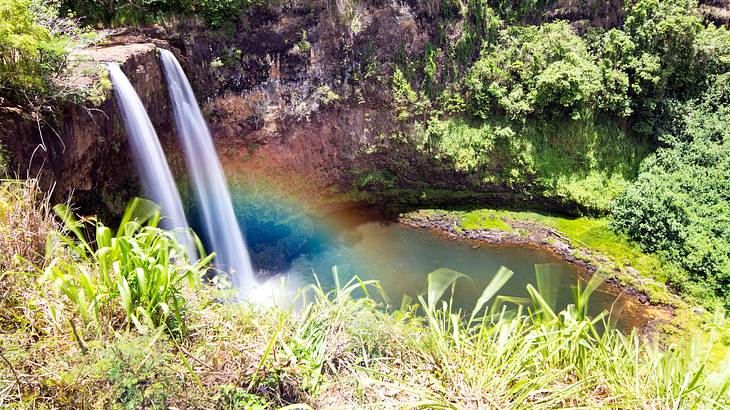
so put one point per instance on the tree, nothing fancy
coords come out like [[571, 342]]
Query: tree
[[543, 69], [679, 204], [25, 50]]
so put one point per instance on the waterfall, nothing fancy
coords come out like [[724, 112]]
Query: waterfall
[[210, 184], [157, 181]]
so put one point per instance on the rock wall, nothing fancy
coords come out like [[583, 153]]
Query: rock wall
[[300, 92], [81, 151], [265, 85]]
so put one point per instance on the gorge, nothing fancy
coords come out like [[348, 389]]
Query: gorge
[[364, 203]]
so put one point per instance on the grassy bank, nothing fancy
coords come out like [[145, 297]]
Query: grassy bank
[[84, 327], [592, 240], [594, 235]]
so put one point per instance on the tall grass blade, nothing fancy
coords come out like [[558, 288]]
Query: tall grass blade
[[543, 306], [437, 283], [548, 283], [497, 282]]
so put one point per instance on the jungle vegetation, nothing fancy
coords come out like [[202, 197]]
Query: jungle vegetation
[[626, 126]]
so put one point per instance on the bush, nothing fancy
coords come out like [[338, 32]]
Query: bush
[[29, 54], [679, 205], [626, 73], [35, 44], [674, 59], [668, 29], [142, 269], [218, 14], [534, 70]]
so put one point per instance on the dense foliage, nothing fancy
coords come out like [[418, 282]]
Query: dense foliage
[[570, 114], [30, 55], [534, 70], [663, 52], [218, 14], [140, 268], [35, 44], [338, 349], [680, 206]]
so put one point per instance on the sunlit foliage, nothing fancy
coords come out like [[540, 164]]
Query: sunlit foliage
[[534, 70], [29, 54], [140, 269], [679, 204]]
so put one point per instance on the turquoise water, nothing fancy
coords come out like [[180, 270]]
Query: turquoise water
[[401, 258], [284, 241]]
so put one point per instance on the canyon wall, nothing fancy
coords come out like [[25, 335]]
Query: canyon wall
[[298, 95]]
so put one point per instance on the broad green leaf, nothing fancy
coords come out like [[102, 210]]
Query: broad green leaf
[[497, 282], [540, 303], [437, 283]]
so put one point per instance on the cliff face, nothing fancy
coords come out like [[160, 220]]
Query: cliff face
[[273, 84], [82, 149], [299, 93]]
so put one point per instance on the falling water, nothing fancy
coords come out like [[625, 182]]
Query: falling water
[[157, 180], [208, 178]]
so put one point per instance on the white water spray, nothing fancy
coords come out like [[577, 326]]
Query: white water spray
[[210, 184], [157, 180]]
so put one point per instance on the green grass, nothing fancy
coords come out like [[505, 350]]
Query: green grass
[[586, 232], [485, 220], [587, 162], [327, 348], [345, 352], [615, 256], [140, 268]]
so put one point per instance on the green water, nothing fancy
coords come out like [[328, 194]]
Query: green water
[[287, 241], [401, 258]]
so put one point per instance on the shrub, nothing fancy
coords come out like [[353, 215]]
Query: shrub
[[404, 98], [29, 55], [218, 14], [674, 58], [534, 69], [624, 74], [142, 269], [679, 204], [668, 29], [35, 44], [678, 207]]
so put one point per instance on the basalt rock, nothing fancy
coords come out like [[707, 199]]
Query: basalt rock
[[81, 149]]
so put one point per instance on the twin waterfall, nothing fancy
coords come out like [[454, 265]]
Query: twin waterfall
[[207, 175]]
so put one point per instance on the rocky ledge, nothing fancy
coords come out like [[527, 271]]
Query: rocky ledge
[[80, 148]]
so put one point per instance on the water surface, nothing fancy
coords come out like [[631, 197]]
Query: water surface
[[287, 241], [401, 258]]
